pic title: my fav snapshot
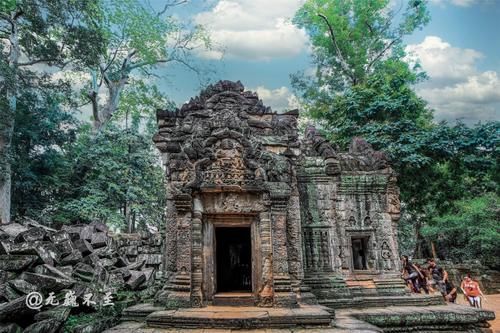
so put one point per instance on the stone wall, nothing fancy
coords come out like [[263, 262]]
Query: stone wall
[[84, 259]]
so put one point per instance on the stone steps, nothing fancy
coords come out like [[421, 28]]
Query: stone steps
[[233, 299], [240, 318]]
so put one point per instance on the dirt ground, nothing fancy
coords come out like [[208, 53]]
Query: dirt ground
[[492, 303]]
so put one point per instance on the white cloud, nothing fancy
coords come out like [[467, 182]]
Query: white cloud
[[456, 88], [443, 61], [279, 99], [253, 29]]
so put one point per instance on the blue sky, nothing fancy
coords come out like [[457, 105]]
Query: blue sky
[[459, 49]]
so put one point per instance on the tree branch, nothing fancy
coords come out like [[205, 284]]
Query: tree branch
[[388, 46], [343, 63], [168, 5]]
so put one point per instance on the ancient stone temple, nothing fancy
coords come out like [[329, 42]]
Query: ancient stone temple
[[269, 228], [255, 209]]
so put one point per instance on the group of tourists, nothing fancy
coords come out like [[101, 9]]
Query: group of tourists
[[434, 278]]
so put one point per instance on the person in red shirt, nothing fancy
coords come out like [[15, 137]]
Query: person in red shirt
[[472, 291]]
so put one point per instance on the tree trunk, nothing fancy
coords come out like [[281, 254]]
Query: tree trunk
[[7, 132]]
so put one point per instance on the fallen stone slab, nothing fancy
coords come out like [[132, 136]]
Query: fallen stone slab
[[136, 265], [60, 236], [59, 313], [32, 223], [73, 231], [68, 270], [87, 232], [46, 251], [83, 272], [124, 271], [99, 239], [13, 229], [7, 293], [135, 280], [83, 246], [73, 258], [52, 271], [65, 247], [44, 326], [31, 235], [6, 276], [47, 283], [14, 263], [15, 310], [22, 286]]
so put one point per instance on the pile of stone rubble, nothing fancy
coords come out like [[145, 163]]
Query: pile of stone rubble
[[46, 274]]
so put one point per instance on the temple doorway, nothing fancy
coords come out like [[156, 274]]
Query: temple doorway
[[233, 259], [359, 253]]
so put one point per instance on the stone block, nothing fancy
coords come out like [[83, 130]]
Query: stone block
[[31, 235], [60, 236], [87, 232], [68, 270], [99, 239], [22, 286], [65, 247], [13, 229], [83, 246], [52, 271], [107, 262], [45, 326], [7, 293], [15, 310], [48, 252], [83, 272], [73, 231], [12, 262], [73, 258], [124, 271], [59, 313], [136, 279], [47, 283]]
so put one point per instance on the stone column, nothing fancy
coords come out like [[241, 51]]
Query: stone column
[[266, 291], [197, 254], [283, 295], [177, 292]]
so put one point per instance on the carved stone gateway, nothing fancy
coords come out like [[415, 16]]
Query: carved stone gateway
[[318, 220]]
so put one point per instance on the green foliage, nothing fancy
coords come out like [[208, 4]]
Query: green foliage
[[43, 129], [113, 172], [469, 230], [352, 39]]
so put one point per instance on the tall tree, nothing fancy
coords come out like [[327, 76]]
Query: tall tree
[[138, 39], [363, 86], [114, 174], [36, 32]]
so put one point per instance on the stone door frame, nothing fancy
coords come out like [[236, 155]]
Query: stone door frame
[[209, 223], [366, 233]]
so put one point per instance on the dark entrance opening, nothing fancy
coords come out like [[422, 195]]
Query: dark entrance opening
[[359, 253], [234, 259]]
